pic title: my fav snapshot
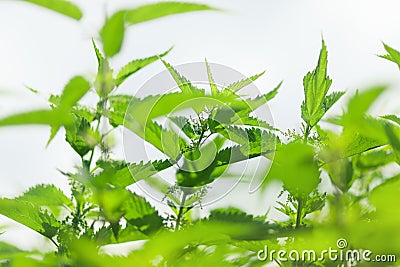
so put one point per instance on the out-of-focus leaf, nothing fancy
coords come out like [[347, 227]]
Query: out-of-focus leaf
[[341, 173], [162, 9], [295, 166], [112, 33], [61, 6], [394, 141], [393, 118]]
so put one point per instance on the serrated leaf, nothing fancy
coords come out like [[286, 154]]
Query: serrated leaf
[[140, 214], [213, 86], [316, 85], [393, 55], [30, 215], [393, 118], [135, 65], [112, 33], [124, 174], [61, 6], [184, 84], [236, 86], [81, 136], [47, 196]]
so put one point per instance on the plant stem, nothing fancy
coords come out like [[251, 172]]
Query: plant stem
[[307, 133], [299, 212], [180, 213]]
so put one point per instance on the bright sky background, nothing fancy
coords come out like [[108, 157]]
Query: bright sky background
[[42, 49]]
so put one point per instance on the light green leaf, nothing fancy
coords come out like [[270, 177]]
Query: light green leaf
[[43, 117], [184, 84], [393, 55], [393, 118], [104, 82], [112, 34], [295, 166], [393, 140], [214, 88], [75, 89], [162, 9], [236, 86], [30, 215], [135, 65], [61, 6], [47, 196], [316, 85]]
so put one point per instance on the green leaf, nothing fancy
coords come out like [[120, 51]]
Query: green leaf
[[341, 173], [123, 174], [236, 86], [162, 9], [112, 33], [30, 215], [47, 196], [135, 65], [295, 166], [104, 82], [316, 85], [61, 6], [393, 55], [214, 88], [184, 84], [81, 136], [75, 89], [43, 117], [392, 118], [394, 141], [140, 214]]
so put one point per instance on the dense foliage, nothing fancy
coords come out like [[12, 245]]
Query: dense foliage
[[358, 153]]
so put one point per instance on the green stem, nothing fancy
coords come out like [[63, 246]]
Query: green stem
[[180, 213], [307, 132], [299, 212]]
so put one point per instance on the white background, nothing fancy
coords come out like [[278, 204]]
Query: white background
[[42, 49]]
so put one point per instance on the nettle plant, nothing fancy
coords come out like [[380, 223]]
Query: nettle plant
[[357, 155]]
